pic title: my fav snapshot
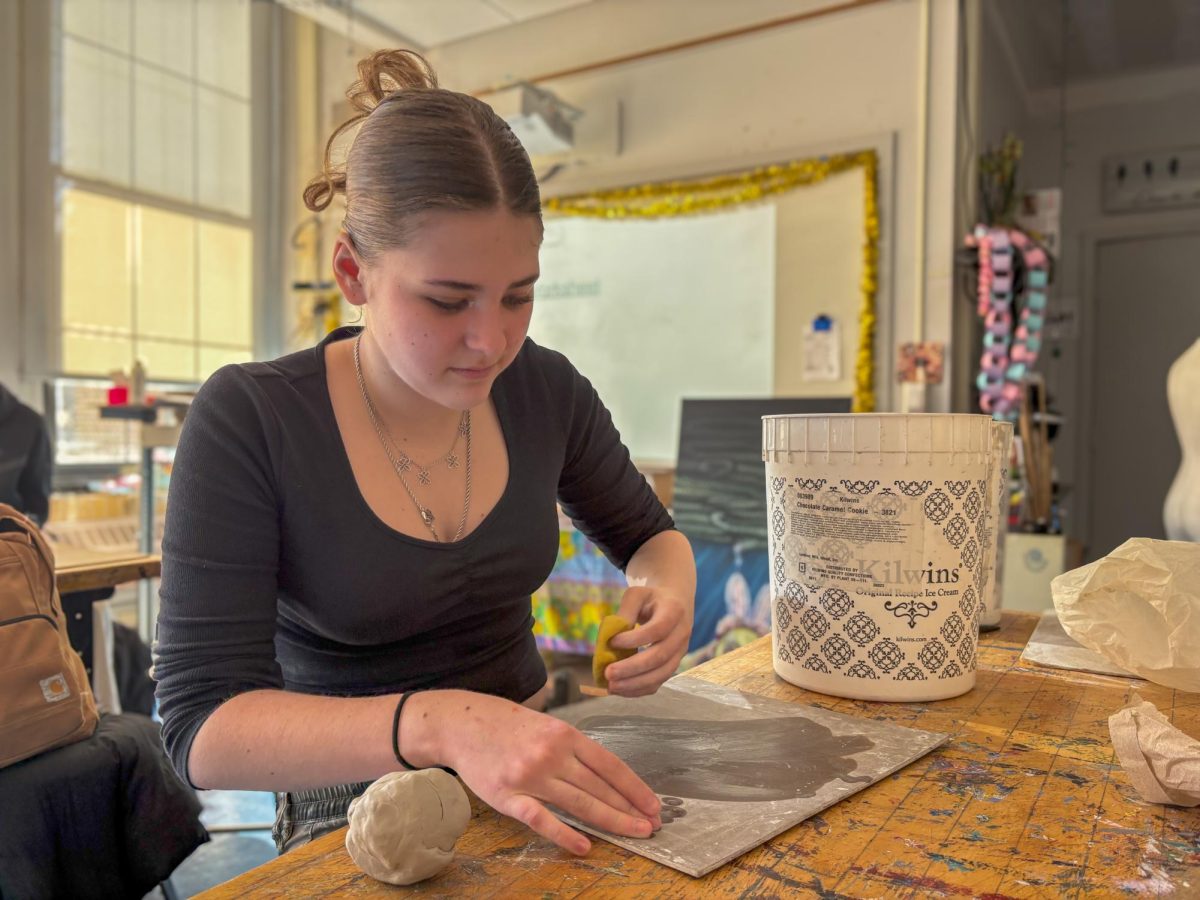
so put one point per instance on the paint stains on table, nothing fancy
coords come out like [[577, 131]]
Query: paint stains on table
[[1026, 801]]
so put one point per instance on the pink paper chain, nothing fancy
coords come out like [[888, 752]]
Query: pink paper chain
[[1006, 362]]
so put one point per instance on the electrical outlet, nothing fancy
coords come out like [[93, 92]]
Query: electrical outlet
[[1151, 179]]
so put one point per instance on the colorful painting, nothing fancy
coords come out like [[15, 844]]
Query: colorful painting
[[582, 589], [721, 505]]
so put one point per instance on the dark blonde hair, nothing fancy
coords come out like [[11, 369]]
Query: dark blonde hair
[[419, 148]]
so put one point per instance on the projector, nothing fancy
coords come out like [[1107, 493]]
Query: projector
[[542, 123]]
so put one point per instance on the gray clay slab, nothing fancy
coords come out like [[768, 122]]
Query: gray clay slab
[[1050, 645], [736, 769]]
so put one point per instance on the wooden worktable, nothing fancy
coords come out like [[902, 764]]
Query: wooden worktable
[[1027, 800], [77, 569]]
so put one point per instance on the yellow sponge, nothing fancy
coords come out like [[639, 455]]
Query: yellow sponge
[[610, 627]]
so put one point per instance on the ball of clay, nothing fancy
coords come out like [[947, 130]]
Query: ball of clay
[[403, 828], [610, 627]]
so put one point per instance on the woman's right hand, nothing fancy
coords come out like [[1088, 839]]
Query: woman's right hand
[[517, 760]]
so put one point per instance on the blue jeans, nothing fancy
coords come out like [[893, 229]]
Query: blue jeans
[[303, 816]]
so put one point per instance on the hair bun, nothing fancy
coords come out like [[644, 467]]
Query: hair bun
[[380, 75], [321, 190], [385, 72], [414, 147]]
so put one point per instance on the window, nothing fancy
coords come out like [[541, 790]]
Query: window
[[152, 154], [81, 436]]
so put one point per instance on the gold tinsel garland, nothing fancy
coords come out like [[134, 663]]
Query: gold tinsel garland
[[681, 198]]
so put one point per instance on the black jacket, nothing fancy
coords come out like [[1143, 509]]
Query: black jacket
[[102, 818], [25, 458]]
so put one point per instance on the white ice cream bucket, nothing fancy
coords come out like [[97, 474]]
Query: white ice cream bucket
[[877, 530]]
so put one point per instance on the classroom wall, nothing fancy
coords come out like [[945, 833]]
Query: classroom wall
[[827, 84], [1003, 98], [820, 223], [1068, 129], [330, 59], [1166, 117], [10, 222], [831, 83], [306, 254]]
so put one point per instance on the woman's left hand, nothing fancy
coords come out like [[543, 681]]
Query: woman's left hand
[[663, 627]]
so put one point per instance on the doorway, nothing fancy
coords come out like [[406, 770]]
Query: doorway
[[1146, 314]]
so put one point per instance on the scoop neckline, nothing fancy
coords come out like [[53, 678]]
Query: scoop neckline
[[497, 397]]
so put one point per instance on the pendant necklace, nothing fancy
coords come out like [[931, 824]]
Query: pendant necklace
[[402, 462]]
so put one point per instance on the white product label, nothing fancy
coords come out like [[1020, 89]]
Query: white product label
[[877, 579]]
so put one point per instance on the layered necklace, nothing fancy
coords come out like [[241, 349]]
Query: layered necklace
[[403, 463]]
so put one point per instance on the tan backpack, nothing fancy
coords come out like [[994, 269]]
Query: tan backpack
[[45, 698]]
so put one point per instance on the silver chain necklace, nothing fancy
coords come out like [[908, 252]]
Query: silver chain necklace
[[402, 464]]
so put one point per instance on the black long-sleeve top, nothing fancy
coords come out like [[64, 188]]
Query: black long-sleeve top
[[277, 574]]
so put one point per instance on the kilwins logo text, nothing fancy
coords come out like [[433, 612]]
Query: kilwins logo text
[[894, 572]]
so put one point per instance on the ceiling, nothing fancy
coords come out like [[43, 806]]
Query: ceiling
[[424, 24], [1096, 38], [1086, 40]]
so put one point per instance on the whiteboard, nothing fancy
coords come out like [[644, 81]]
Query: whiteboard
[[652, 311]]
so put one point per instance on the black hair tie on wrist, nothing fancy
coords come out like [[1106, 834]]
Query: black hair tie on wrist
[[396, 739]]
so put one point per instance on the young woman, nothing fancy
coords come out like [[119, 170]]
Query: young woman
[[355, 530]]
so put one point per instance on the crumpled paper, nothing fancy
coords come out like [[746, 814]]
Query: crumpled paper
[[1162, 762], [1138, 607]]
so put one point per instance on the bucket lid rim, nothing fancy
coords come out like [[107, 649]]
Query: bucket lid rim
[[883, 415]]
